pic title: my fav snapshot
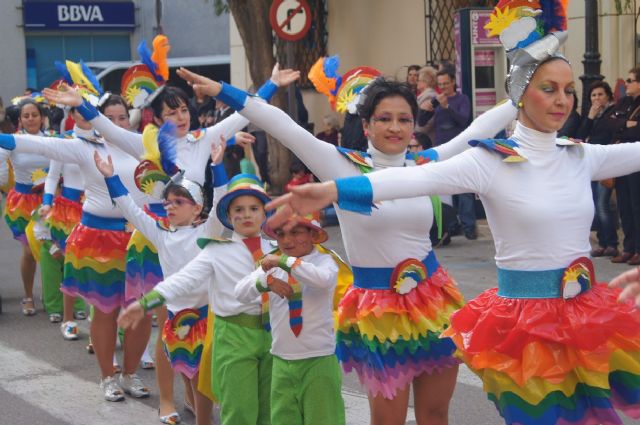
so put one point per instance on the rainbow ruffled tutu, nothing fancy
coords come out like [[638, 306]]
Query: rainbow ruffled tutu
[[143, 270], [554, 360], [17, 211], [390, 337], [94, 262], [64, 216], [184, 334]]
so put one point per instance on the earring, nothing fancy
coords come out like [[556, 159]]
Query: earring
[[366, 133], [520, 104]]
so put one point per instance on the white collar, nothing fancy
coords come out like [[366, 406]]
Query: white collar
[[383, 160]]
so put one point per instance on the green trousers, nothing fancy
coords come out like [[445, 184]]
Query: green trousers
[[307, 392], [51, 271], [242, 372]]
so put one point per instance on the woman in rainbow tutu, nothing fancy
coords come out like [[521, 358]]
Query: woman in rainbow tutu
[[551, 344]]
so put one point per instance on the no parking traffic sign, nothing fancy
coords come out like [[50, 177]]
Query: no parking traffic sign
[[290, 19]]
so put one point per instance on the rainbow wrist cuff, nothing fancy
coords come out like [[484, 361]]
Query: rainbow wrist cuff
[[151, 300], [355, 194], [87, 110], [115, 186], [232, 96]]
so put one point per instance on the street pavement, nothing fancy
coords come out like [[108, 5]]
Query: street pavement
[[46, 380]]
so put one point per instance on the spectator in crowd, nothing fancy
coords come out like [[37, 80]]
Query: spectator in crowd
[[570, 127], [427, 86], [447, 66], [627, 115], [5, 123], [597, 128], [412, 77], [300, 175], [331, 132], [199, 106], [451, 112]]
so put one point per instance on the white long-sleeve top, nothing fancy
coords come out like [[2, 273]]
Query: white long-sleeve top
[[540, 211], [70, 173], [193, 150], [400, 226], [317, 274], [216, 270], [24, 164], [80, 152], [176, 246]]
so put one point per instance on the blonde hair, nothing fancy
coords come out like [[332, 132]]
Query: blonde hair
[[428, 75], [332, 120]]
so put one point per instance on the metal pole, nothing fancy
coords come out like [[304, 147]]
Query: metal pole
[[591, 60]]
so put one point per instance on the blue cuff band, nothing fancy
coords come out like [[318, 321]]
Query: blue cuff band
[[7, 141], [219, 175], [87, 110], [355, 194], [232, 96], [267, 90], [47, 199], [231, 141], [115, 186]]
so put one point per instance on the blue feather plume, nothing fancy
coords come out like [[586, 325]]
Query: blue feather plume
[[145, 58], [167, 148], [91, 77], [553, 16], [64, 72], [331, 65]]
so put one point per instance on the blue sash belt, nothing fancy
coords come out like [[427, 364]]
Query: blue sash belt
[[380, 277], [71, 194], [24, 188], [103, 223]]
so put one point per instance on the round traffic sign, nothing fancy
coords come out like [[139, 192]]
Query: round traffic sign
[[290, 19]]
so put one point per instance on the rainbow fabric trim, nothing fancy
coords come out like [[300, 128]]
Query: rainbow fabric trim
[[505, 147], [554, 360], [94, 263], [184, 335], [17, 212], [143, 270], [390, 338], [64, 216]]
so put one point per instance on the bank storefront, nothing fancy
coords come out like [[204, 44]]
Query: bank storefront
[[91, 31]]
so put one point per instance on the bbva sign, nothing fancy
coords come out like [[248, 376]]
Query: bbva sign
[[79, 13]]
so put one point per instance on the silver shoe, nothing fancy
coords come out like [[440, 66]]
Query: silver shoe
[[132, 385], [55, 317], [69, 330], [111, 389], [80, 315]]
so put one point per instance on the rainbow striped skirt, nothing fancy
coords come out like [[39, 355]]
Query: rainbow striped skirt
[[143, 271], [20, 203], [389, 324], [184, 335], [553, 348], [64, 216], [95, 260]]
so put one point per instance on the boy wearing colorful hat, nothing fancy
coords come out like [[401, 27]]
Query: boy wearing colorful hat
[[297, 282], [241, 359]]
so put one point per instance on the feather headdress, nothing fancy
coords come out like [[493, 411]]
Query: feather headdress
[[140, 86]]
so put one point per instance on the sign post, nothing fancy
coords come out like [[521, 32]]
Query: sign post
[[290, 20]]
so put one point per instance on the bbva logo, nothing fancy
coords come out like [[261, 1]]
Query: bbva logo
[[79, 13]]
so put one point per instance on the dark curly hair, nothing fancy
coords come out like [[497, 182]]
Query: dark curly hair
[[382, 88]]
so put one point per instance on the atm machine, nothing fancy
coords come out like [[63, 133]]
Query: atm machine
[[481, 61]]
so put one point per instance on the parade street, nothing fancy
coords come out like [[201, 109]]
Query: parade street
[[45, 380]]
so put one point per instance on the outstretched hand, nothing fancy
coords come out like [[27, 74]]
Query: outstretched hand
[[199, 83], [283, 77], [630, 281], [217, 151], [105, 167], [244, 139], [301, 200], [131, 316], [66, 95]]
